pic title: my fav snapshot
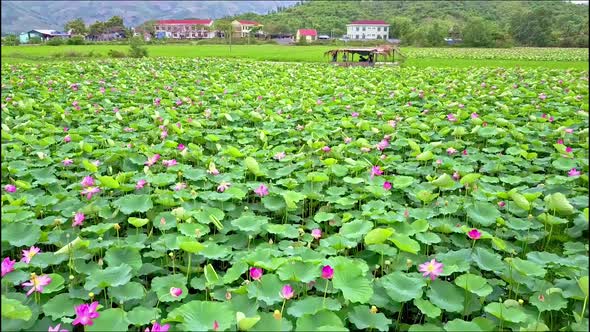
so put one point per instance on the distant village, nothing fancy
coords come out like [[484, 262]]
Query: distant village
[[196, 29]]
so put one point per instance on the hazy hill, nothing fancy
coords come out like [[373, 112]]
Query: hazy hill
[[543, 22], [19, 16]]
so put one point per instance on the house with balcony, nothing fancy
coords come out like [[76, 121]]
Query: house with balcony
[[242, 28], [367, 30], [184, 29], [309, 35]]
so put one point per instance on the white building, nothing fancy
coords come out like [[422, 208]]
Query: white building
[[241, 28], [184, 29], [367, 30]]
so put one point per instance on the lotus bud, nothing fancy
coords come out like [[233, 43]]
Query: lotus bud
[[409, 263], [520, 301], [100, 262], [71, 277], [171, 254], [530, 217], [373, 309], [277, 314], [387, 262], [270, 241], [228, 296], [68, 235], [99, 238], [117, 227], [91, 294], [245, 208]]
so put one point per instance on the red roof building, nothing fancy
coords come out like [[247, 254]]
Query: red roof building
[[308, 34], [242, 28], [246, 22]]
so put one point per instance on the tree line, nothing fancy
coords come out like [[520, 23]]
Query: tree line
[[428, 23]]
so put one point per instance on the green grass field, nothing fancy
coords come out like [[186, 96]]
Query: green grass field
[[419, 57]]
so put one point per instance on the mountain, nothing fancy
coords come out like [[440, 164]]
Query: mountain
[[19, 16]]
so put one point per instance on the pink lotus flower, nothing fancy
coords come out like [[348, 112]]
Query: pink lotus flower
[[300, 127], [316, 233], [215, 326], [158, 328], [464, 152], [542, 96], [67, 162], [365, 149], [461, 106], [569, 130], [140, 184], [451, 117], [179, 186], [37, 283], [501, 204], [376, 171], [28, 254], [568, 149], [223, 186], [154, 159], [573, 172], [157, 101], [78, 219], [212, 169], [456, 176], [544, 116], [551, 119], [382, 145], [432, 269], [287, 292], [169, 163], [128, 129], [66, 129], [354, 114], [438, 161], [89, 191], [261, 191], [326, 149], [164, 134], [474, 115], [88, 181], [347, 140], [181, 147], [96, 163], [10, 188], [327, 272], [560, 141], [255, 273], [67, 139], [279, 155], [318, 102], [7, 266], [474, 234], [178, 102], [175, 292], [387, 185], [451, 151], [57, 328], [85, 313]]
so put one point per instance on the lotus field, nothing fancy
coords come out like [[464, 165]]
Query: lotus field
[[193, 195]]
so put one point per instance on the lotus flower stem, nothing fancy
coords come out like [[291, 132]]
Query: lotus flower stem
[[584, 307], [283, 307], [188, 270], [325, 292]]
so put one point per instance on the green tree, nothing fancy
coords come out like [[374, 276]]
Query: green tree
[[478, 33], [77, 26], [11, 40], [114, 22], [96, 28]]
